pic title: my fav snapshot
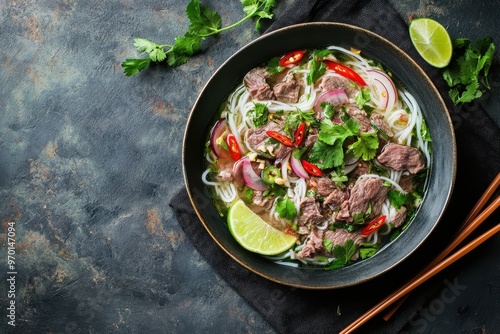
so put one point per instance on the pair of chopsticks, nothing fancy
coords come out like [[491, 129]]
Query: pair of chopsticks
[[442, 261]]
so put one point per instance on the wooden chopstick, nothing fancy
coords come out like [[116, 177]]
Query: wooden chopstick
[[440, 262], [482, 200], [421, 279], [485, 197]]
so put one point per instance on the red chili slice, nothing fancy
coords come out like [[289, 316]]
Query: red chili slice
[[234, 149], [300, 133], [373, 226], [280, 137], [311, 169], [345, 71], [291, 58]]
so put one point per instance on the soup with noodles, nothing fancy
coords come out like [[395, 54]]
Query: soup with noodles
[[322, 144]]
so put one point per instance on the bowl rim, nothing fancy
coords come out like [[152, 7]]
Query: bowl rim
[[442, 107]]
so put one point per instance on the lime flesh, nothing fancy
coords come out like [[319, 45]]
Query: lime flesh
[[254, 234], [432, 41]]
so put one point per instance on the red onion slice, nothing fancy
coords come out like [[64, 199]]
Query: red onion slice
[[251, 178], [238, 172], [384, 84], [215, 134], [298, 168], [336, 97]]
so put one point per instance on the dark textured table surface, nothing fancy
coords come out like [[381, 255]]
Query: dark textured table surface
[[89, 160]]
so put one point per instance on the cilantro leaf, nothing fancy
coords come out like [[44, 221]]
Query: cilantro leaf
[[366, 146], [294, 118], [467, 74], [259, 114], [343, 254], [326, 156], [273, 66], [184, 47], [328, 244], [363, 97], [202, 20], [318, 68], [134, 66], [368, 251], [397, 198], [247, 195], [154, 50], [328, 109], [328, 151], [331, 132], [286, 209], [258, 8], [338, 177]]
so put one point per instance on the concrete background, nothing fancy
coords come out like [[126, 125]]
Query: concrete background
[[89, 160]]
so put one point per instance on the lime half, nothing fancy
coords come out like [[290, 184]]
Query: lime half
[[254, 234], [432, 41]]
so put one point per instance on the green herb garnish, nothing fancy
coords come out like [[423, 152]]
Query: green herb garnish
[[203, 22], [467, 74]]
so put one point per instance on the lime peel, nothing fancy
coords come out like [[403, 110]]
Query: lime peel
[[254, 234]]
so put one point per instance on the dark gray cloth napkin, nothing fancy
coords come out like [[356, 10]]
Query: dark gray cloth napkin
[[291, 310]]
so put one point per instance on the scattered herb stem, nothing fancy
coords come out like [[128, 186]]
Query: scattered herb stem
[[203, 22]]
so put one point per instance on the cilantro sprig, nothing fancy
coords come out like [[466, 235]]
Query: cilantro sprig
[[259, 114], [203, 22], [328, 151], [343, 253], [467, 75]]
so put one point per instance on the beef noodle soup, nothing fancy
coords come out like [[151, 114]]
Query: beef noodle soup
[[322, 145]]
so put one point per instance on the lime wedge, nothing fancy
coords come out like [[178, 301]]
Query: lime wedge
[[254, 234], [431, 41]]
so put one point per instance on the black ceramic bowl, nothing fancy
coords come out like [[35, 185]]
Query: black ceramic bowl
[[320, 35]]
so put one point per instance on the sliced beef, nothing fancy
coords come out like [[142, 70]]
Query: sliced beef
[[344, 214], [256, 140], [282, 151], [362, 118], [310, 212], [362, 167], [333, 82], [400, 217], [310, 140], [365, 192], [401, 157], [256, 82], [257, 137], [384, 130], [340, 236], [313, 244], [312, 137], [406, 183], [380, 122], [335, 199], [324, 185], [288, 90], [260, 203], [304, 230]]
